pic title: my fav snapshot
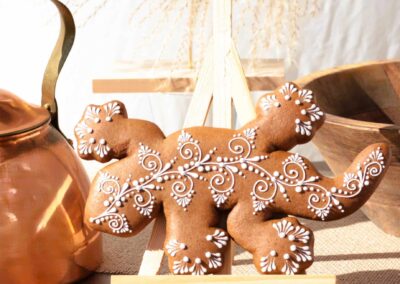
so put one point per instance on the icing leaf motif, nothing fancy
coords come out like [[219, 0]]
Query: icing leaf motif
[[305, 95], [250, 133], [181, 266], [304, 128], [214, 259], [219, 238], [197, 268], [267, 263], [102, 148], [173, 247], [85, 147], [82, 129], [288, 90], [290, 266], [314, 112], [283, 228], [268, 101], [184, 137], [92, 113], [112, 109], [302, 254], [300, 235]]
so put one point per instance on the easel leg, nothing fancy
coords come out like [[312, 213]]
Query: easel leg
[[154, 253]]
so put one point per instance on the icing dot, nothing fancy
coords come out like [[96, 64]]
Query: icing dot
[[106, 203], [208, 254], [185, 259], [291, 238], [197, 260], [282, 235], [286, 256], [92, 140], [273, 253], [293, 248], [208, 237], [108, 118], [182, 246]]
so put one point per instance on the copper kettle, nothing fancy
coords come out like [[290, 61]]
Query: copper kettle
[[43, 186]]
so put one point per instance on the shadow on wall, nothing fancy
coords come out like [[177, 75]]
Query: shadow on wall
[[356, 217], [370, 277]]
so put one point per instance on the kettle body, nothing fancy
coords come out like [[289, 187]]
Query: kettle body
[[43, 189]]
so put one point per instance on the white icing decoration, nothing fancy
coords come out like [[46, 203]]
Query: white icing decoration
[[219, 238], [197, 268], [268, 101], [92, 113], [314, 112], [302, 254], [283, 228], [82, 129], [288, 90], [321, 200], [173, 247], [112, 109], [250, 133], [214, 259], [267, 263], [85, 147], [297, 254], [221, 184], [102, 148], [305, 95], [181, 266], [304, 128], [300, 235], [290, 267]]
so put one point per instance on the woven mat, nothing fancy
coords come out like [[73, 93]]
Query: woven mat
[[353, 248]]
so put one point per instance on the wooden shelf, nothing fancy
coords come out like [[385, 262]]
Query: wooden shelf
[[142, 77]]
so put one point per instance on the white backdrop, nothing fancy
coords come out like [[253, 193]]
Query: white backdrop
[[343, 32]]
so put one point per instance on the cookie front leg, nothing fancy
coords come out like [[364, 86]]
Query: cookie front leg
[[279, 246], [195, 248]]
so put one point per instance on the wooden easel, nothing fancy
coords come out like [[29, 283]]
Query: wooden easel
[[222, 81]]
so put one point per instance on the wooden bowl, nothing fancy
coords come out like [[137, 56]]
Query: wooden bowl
[[362, 103]]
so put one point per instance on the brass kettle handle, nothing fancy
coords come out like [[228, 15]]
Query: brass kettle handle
[[57, 59]]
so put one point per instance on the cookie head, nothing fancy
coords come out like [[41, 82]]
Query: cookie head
[[291, 114], [97, 131]]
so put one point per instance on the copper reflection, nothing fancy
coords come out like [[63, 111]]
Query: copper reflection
[[43, 188]]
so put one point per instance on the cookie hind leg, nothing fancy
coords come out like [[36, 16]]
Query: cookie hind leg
[[279, 246], [198, 253]]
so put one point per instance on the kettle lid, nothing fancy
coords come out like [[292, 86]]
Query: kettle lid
[[17, 116]]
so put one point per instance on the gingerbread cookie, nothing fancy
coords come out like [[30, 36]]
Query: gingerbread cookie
[[195, 174]]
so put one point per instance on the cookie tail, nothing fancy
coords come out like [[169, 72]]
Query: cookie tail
[[355, 186], [314, 196]]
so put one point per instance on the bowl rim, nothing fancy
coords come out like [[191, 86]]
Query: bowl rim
[[344, 121]]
